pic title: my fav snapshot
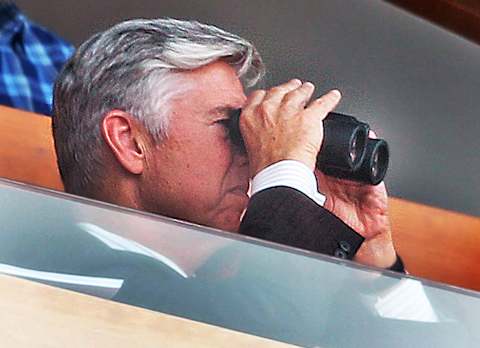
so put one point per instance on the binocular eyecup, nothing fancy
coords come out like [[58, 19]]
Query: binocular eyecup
[[346, 153], [372, 168]]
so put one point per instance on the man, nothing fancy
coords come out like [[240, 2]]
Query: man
[[140, 115]]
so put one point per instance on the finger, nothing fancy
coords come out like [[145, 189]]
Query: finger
[[297, 99], [253, 100], [372, 135], [275, 95], [323, 105]]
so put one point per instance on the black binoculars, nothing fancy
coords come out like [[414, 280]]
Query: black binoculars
[[346, 153]]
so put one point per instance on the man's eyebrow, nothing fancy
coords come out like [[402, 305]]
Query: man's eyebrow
[[222, 110]]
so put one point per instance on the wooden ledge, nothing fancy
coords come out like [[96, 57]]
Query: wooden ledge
[[37, 315]]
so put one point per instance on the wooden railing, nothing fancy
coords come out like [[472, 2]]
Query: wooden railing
[[26, 149], [37, 315], [435, 244]]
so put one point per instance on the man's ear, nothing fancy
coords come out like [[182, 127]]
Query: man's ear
[[122, 135]]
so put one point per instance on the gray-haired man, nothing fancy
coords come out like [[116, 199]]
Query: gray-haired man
[[139, 120]]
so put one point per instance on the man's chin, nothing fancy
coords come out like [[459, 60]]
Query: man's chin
[[230, 226], [229, 222], [229, 216]]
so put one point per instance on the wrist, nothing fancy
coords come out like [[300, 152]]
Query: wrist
[[376, 252], [389, 257]]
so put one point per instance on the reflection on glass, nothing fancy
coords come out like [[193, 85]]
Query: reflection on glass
[[225, 280]]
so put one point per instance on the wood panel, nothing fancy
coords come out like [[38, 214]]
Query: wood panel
[[36, 315], [435, 244], [459, 16], [26, 149]]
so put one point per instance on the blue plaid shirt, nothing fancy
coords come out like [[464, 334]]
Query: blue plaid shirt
[[30, 58]]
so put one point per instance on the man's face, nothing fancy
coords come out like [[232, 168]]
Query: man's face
[[194, 174]]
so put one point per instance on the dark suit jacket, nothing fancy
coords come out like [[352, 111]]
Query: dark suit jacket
[[287, 216]]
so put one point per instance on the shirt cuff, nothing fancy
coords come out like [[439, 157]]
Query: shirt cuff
[[398, 266], [289, 173]]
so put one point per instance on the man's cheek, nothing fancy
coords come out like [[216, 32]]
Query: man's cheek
[[203, 193], [214, 164]]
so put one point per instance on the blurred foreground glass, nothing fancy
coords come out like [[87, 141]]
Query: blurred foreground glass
[[224, 279]]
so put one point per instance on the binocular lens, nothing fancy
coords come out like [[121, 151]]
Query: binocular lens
[[375, 165], [380, 156], [356, 147], [353, 150]]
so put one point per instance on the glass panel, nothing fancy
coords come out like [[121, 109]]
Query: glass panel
[[223, 279]]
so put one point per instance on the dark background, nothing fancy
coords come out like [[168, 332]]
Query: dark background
[[416, 83]]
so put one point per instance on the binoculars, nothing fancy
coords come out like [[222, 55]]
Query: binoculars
[[346, 153]]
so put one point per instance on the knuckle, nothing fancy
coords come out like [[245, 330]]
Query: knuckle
[[267, 108], [276, 90], [293, 96], [290, 107], [257, 94], [295, 100], [253, 99]]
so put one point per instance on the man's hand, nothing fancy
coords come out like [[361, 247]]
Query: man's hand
[[278, 125], [365, 209]]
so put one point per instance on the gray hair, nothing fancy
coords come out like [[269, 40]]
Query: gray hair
[[133, 66]]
